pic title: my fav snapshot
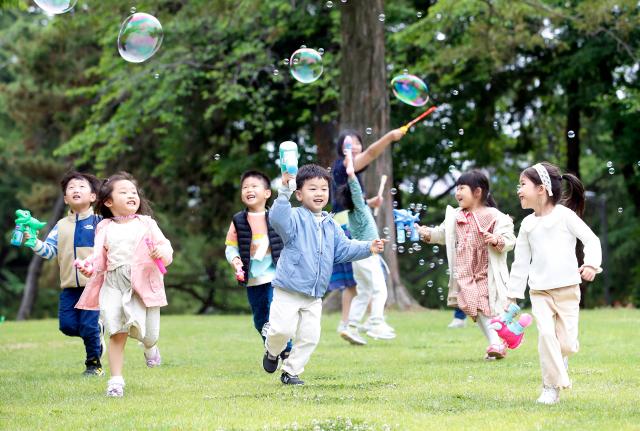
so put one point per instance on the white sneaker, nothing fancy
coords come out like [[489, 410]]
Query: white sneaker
[[549, 396], [351, 335], [342, 326], [379, 332], [457, 323], [386, 327]]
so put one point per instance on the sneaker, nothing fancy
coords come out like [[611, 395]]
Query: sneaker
[[378, 331], [115, 388], [288, 379], [342, 326], [94, 368], [270, 363], [457, 323], [549, 396], [154, 359], [351, 335], [103, 346], [497, 351], [285, 355]]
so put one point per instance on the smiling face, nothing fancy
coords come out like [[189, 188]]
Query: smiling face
[[531, 196], [255, 193], [314, 194], [124, 199], [78, 195], [468, 199]]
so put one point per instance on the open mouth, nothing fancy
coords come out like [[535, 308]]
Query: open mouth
[[318, 201], [76, 197], [131, 203], [250, 197]]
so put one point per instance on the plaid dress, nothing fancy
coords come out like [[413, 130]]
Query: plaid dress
[[472, 260]]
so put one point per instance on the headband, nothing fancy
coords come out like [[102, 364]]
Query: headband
[[544, 177]]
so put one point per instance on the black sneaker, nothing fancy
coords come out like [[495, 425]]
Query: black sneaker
[[269, 363], [288, 379], [94, 368]]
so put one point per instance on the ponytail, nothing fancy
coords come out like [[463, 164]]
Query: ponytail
[[573, 197], [491, 202]]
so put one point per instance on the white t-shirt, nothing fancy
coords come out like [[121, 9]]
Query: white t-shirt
[[121, 242], [545, 252]]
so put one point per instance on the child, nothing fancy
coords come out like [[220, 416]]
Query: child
[[313, 241], [73, 237], [370, 272], [545, 255], [126, 284], [252, 246], [342, 276], [478, 238]]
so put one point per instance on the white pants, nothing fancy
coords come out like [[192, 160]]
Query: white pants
[[293, 316], [556, 312], [490, 333], [371, 286]]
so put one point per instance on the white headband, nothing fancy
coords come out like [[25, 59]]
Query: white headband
[[544, 177]]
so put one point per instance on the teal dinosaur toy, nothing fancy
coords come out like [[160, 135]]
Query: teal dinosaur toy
[[26, 223]]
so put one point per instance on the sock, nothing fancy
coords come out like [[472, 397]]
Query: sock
[[491, 334], [118, 380]]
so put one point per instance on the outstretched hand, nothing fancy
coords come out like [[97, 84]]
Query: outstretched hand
[[377, 246], [396, 134], [424, 232]]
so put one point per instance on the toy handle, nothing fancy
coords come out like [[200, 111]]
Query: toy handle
[[17, 237], [383, 181], [159, 263]]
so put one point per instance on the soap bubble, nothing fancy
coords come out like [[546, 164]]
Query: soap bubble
[[432, 265], [422, 292], [329, 4], [430, 283], [612, 171], [368, 130], [395, 204], [454, 92], [417, 247], [421, 262], [440, 36], [140, 37], [440, 261], [441, 297], [306, 65], [460, 132], [216, 156], [394, 247], [412, 206], [285, 61], [56, 7], [410, 89], [320, 51], [133, 10], [609, 164], [276, 72], [439, 289], [381, 17], [156, 75], [419, 14], [620, 210], [393, 190], [386, 230], [410, 250], [571, 134], [400, 249], [435, 249]]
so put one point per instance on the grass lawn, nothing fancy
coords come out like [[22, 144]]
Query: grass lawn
[[430, 377]]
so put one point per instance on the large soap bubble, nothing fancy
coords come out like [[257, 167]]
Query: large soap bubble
[[140, 37], [306, 65], [56, 7], [410, 89]]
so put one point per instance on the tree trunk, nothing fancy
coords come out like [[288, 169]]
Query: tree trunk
[[35, 266], [364, 103]]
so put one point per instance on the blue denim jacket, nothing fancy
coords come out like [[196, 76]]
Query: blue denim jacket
[[310, 248]]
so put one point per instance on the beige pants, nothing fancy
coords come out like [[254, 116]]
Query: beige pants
[[556, 313], [293, 316]]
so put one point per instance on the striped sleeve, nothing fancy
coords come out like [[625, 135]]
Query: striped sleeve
[[49, 248]]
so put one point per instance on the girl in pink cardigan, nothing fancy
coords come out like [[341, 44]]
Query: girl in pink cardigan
[[126, 283]]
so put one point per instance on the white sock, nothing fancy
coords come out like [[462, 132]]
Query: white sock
[[491, 334], [118, 380]]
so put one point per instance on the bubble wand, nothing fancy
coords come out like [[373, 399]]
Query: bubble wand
[[407, 126]]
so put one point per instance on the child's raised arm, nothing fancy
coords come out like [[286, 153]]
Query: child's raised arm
[[280, 214]]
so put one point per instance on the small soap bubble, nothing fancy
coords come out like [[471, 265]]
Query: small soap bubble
[[285, 61], [440, 36], [430, 283], [303, 46], [571, 134], [612, 171], [394, 247], [419, 14], [410, 250], [400, 249], [448, 271], [421, 262], [156, 75], [320, 51], [412, 206], [393, 190], [276, 72], [329, 4], [216, 156], [395, 204], [432, 265], [443, 126], [422, 292], [441, 297], [454, 92], [386, 230], [620, 210], [460, 132], [381, 17], [368, 130], [439, 289], [133, 10], [450, 143], [417, 247], [609, 164], [452, 168], [435, 249]]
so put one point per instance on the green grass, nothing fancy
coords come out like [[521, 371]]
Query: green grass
[[430, 377]]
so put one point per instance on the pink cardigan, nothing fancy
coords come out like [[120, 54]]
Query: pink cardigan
[[146, 278]]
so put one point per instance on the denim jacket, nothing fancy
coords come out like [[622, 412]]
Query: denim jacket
[[310, 248]]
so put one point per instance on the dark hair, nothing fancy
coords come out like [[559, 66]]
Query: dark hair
[[311, 171], [256, 174], [342, 137], [344, 197], [572, 198], [107, 189], [476, 179], [94, 183]]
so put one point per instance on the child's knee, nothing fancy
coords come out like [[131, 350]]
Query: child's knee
[[569, 349], [280, 330], [69, 328]]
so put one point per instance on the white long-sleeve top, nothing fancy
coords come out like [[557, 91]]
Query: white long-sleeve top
[[545, 252]]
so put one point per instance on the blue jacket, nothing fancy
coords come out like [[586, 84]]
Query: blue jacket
[[310, 248]]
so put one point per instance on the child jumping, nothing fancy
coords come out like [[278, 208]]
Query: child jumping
[[369, 273], [478, 238], [313, 242], [545, 255], [253, 248], [72, 237], [126, 284]]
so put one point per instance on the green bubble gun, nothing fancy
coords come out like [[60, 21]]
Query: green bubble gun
[[26, 223]]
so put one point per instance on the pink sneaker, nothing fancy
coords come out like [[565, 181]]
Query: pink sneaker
[[497, 351], [154, 359]]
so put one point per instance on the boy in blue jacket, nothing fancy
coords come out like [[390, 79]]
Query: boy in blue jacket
[[313, 242]]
